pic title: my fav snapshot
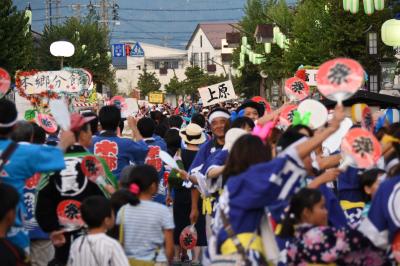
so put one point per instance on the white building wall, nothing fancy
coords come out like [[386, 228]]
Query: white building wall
[[201, 45], [127, 79]]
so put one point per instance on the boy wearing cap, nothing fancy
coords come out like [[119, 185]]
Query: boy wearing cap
[[22, 163], [61, 193]]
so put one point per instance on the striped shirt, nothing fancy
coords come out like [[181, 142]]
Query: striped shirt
[[143, 227], [97, 250]]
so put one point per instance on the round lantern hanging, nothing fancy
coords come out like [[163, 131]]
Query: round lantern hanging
[[369, 6], [390, 32]]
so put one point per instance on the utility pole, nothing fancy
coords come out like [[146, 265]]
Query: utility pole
[[77, 10]]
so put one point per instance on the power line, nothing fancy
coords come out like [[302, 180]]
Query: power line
[[181, 10], [173, 21], [154, 32]]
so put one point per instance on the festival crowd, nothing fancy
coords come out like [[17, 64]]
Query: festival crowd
[[241, 189]]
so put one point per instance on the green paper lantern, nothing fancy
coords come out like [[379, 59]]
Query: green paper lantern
[[379, 4], [281, 41], [276, 31], [244, 40], [346, 5], [248, 48], [267, 47], [390, 32], [243, 49], [355, 6], [287, 42], [369, 7], [242, 56]]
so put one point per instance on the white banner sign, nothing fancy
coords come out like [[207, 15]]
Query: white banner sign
[[311, 79], [217, 93], [132, 106], [73, 80]]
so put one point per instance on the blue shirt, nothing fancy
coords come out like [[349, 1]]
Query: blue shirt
[[118, 152], [383, 221], [262, 185], [27, 160]]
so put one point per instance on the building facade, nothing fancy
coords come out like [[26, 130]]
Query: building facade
[[130, 62], [208, 49]]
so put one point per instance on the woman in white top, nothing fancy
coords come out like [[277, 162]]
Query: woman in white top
[[146, 227]]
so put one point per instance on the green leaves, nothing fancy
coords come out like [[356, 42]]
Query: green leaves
[[148, 82], [30, 114]]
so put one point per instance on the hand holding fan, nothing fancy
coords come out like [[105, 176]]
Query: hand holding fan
[[360, 148], [93, 170], [296, 89], [340, 78], [188, 237], [59, 110], [5, 82]]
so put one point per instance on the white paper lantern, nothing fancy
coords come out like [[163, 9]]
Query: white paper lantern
[[62, 48]]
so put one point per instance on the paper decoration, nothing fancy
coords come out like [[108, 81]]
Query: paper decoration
[[362, 146], [263, 101], [287, 114], [188, 237], [217, 93], [319, 113], [132, 106], [47, 122], [367, 120], [5, 81], [357, 111], [296, 89], [93, 170], [168, 160], [59, 110], [68, 80], [69, 215], [392, 115], [340, 78]]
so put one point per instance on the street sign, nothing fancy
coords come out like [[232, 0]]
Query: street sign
[[118, 50], [217, 93], [156, 97], [137, 50]]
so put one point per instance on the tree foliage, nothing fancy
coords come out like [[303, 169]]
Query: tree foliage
[[16, 44], [195, 78], [148, 82], [91, 49]]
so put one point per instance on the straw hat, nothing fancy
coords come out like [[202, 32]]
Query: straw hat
[[192, 134]]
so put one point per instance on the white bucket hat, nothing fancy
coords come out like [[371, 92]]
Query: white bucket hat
[[192, 134]]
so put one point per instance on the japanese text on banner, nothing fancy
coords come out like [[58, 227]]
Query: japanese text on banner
[[217, 93]]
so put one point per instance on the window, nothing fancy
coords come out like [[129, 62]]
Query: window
[[372, 43], [119, 80], [201, 61], [373, 83], [201, 41], [207, 58], [174, 64], [157, 65], [195, 59]]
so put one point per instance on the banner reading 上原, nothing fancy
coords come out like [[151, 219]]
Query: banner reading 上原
[[217, 93]]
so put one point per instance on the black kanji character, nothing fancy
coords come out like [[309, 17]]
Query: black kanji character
[[297, 87], [291, 115], [212, 98], [363, 146], [71, 211], [338, 74], [223, 91]]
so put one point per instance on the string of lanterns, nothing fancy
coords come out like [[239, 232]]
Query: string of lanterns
[[369, 6], [255, 58]]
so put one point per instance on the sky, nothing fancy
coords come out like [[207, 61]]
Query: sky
[[162, 22]]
